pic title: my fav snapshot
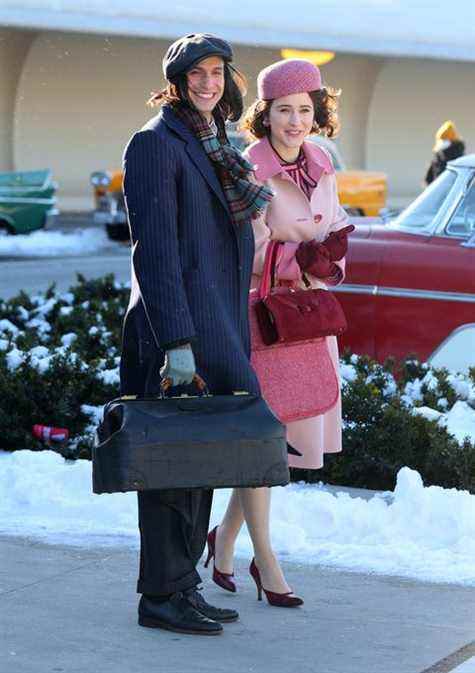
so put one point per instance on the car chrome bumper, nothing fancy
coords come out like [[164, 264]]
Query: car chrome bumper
[[51, 217], [102, 217]]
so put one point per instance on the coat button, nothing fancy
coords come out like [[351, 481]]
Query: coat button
[[317, 218]]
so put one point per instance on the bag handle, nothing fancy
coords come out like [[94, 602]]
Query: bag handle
[[200, 383], [165, 385], [268, 271]]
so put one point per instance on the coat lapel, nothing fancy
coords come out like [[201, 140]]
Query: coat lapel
[[197, 154]]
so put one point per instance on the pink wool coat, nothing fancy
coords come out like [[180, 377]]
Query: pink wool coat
[[292, 218]]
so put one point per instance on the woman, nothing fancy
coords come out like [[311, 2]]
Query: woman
[[306, 217], [189, 200]]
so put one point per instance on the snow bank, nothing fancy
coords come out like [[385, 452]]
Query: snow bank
[[421, 533], [52, 243], [460, 421]]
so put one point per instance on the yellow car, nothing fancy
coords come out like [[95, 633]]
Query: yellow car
[[109, 205], [360, 192]]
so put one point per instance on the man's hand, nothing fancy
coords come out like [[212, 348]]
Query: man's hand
[[179, 367], [337, 242]]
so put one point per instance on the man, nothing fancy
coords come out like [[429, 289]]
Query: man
[[189, 204]]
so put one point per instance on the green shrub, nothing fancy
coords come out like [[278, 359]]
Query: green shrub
[[60, 352], [381, 433]]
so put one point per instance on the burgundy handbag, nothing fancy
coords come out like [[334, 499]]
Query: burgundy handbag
[[288, 315], [298, 380]]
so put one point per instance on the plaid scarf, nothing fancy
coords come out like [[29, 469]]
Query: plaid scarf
[[246, 199]]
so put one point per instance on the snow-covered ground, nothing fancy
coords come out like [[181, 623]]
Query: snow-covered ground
[[417, 532], [51, 243]]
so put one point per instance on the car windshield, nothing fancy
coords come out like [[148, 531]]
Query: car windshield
[[238, 141], [330, 146], [462, 222], [236, 137], [421, 213]]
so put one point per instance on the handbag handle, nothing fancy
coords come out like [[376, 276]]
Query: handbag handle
[[166, 384], [268, 271]]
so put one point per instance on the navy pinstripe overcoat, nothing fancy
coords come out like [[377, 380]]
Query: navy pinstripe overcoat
[[191, 266]]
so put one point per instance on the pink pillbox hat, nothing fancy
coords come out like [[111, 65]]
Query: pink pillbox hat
[[294, 75]]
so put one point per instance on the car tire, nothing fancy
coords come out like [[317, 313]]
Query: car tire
[[354, 212], [117, 233], [7, 228]]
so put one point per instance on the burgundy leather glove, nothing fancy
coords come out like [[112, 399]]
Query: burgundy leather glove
[[314, 258], [337, 242]]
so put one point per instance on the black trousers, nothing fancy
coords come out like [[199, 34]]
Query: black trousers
[[173, 528]]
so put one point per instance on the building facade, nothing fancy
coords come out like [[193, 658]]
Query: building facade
[[70, 99]]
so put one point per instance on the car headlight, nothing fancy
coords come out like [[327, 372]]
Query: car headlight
[[100, 179]]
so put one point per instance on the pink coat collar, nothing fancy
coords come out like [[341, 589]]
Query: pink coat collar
[[267, 165]]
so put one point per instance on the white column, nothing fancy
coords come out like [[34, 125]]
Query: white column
[[14, 45]]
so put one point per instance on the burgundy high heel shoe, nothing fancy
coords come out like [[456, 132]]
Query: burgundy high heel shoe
[[278, 600], [223, 580]]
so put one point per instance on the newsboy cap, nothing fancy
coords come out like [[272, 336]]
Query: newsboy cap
[[187, 50]]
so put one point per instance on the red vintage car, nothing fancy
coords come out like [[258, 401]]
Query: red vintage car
[[410, 283]]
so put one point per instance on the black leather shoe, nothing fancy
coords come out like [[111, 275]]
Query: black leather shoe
[[195, 599], [176, 614]]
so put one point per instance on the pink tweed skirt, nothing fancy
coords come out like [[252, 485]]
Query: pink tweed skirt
[[297, 381]]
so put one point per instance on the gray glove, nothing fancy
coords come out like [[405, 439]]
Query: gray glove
[[179, 366]]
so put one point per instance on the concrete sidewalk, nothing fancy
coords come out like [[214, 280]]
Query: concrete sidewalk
[[72, 610]]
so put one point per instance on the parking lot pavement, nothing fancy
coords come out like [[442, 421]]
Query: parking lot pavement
[[73, 610], [67, 220], [36, 274]]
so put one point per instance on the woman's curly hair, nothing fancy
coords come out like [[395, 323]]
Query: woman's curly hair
[[326, 122]]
